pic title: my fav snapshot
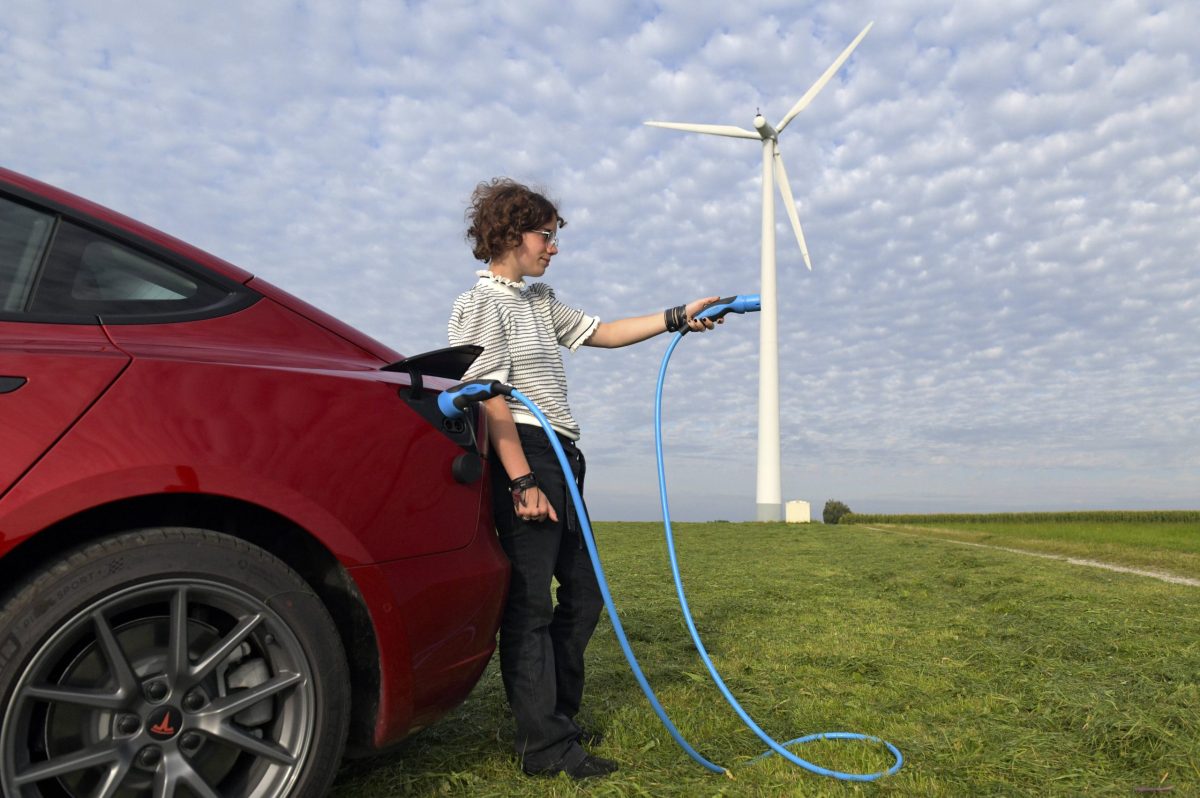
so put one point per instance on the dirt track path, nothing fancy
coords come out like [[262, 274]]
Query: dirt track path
[[1123, 569]]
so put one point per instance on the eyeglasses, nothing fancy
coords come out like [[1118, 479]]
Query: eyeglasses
[[551, 236]]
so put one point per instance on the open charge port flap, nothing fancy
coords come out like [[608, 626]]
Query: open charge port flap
[[450, 363]]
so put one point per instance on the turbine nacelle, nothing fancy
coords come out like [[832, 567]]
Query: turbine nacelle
[[764, 128]]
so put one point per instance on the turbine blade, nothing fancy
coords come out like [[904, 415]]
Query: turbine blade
[[785, 190], [820, 84], [715, 130]]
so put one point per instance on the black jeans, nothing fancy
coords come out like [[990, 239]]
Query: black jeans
[[542, 644]]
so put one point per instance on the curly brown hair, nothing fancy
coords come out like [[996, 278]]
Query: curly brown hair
[[501, 210]]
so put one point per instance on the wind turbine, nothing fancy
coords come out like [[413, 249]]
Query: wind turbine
[[770, 484]]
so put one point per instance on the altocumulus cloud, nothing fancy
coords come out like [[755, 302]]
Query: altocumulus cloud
[[1001, 205]]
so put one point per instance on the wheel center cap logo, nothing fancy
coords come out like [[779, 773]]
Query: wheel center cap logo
[[164, 723]]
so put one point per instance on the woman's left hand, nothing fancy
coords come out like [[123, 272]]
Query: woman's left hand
[[692, 308]]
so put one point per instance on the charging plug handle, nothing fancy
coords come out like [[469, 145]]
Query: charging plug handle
[[454, 400], [742, 303]]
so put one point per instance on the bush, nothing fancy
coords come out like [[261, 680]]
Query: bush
[[833, 512]]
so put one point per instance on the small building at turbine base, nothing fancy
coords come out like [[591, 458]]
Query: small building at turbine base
[[798, 512]]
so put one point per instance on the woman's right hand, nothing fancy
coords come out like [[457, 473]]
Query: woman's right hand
[[692, 309], [534, 506]]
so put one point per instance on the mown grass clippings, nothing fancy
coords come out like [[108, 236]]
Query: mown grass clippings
[[993, 673]]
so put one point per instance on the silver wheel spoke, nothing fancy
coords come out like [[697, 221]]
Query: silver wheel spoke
[[263, 748], [230, 705], [172, 775], [113, 780], [92, 757], [196, 783], [122, 670], [215, 655], [177, 639], [164, 783], [98, 699]]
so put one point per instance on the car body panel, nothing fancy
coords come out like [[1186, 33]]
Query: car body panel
[[261, 424], [385, 353], [431, 666], [66, 369]]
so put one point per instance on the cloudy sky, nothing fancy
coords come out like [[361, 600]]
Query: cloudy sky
[[1002, 202]]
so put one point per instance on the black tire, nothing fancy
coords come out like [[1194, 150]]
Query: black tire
[[168, 662]]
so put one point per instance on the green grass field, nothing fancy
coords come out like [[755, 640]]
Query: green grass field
[[995, 673]]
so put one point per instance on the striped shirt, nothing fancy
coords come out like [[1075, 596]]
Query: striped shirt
[[520, 327]]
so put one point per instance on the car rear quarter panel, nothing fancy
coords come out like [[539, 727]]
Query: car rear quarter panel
[[319, 437], [437, 617]]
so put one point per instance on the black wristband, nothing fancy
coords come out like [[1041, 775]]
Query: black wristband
[[518, 486], [675, 318], [523, 483]]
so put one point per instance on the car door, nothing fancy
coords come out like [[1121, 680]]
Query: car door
[[49, 373]]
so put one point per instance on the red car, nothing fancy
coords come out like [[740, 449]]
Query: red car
[[236, 536]]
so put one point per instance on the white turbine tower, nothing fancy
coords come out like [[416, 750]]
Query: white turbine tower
[[770, 484]]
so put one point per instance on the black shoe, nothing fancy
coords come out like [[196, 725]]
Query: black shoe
[[592, 767], [587, 768]]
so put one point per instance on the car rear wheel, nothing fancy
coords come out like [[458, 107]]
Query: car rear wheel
[[169, 662]]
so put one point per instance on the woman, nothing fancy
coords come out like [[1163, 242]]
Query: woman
[[521, 326]]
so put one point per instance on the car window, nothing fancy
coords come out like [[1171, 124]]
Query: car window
[[109, 273], [24, 233], [90, 275]]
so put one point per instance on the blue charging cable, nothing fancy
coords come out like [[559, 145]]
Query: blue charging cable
[[454, 401], [740, 304]]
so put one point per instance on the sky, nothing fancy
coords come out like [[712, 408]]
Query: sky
[[1001, 202]]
